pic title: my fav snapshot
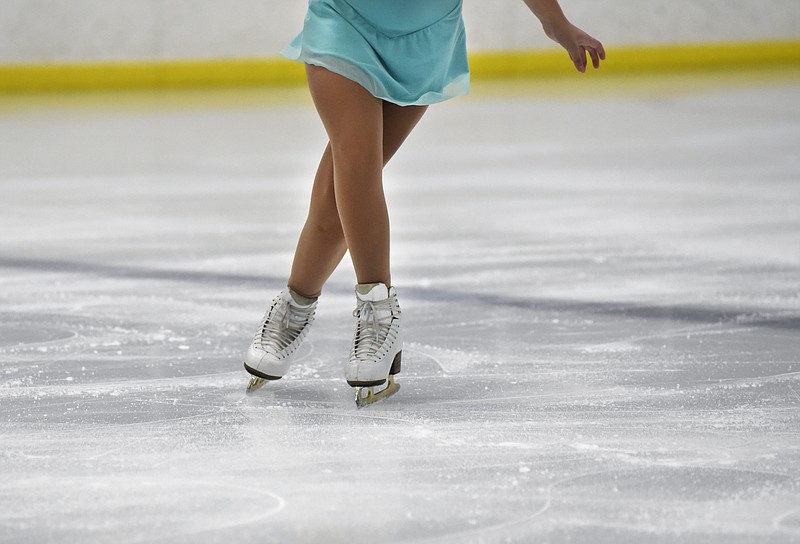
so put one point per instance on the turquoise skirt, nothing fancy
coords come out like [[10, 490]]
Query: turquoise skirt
[[409, 52]]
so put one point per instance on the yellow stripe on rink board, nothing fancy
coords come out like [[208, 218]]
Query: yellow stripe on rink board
[[148, 75], [484, 65], [641, 59]]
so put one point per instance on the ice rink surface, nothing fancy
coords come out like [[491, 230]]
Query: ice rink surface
[[600, 281]]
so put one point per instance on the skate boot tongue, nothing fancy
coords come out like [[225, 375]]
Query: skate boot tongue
[[372, 292], [376, 303]]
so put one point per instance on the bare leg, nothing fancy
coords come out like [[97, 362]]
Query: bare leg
[[322, 243], [353, 119]]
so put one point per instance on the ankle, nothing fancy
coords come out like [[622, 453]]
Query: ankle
[[301, 299], [364, 288], [374, 292]]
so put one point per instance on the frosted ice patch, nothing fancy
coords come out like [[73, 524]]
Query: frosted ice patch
[[612, 347]]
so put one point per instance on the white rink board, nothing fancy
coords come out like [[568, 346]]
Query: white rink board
[[115, 30], [600, 295]]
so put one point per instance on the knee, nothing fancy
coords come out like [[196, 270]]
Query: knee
[[357, 163]]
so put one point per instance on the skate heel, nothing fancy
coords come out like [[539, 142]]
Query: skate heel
[[396, 363], [376, 354]]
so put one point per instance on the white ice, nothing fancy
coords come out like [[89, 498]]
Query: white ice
[[600, 281]]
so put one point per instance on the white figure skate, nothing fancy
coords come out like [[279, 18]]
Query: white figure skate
[[377, 344], [277, 339]]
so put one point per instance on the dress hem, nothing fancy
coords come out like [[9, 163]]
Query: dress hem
[[459, 85]]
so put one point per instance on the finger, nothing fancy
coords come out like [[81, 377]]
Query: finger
[[595, 58], [596, 51], [579, 59]]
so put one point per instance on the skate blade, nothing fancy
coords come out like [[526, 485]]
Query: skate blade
[[370, 396], [255, 384]]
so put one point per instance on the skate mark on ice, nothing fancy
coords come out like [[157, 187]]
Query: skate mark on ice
[[121, 413], [627, 343], [753, 380], [164, 420], [653, 482], [637, 475], [155, 496], [132, 387], [433, 358], [21, 333], [793, 391], [136, 273], [687, 312], [332, 412], [280, 504], [469, 535], [362, 416], [500, 399], [779, 521]]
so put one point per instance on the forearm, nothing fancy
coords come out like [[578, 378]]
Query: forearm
[[549, 14]]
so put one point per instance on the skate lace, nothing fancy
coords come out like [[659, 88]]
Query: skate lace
[[282, 326], [372, 330]]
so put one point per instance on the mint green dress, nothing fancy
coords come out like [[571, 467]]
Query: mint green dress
[[409, 52]]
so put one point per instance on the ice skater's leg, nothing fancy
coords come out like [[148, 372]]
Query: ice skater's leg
[[398, 122], [353, 119], [322, 243], [321, 247]]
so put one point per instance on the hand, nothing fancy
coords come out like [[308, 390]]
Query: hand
[[577, 43]]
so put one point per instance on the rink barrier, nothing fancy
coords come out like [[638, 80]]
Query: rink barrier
[[15, 78]]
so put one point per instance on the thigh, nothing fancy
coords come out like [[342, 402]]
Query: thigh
[[398, 122], [356, 120], [352, 117]]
